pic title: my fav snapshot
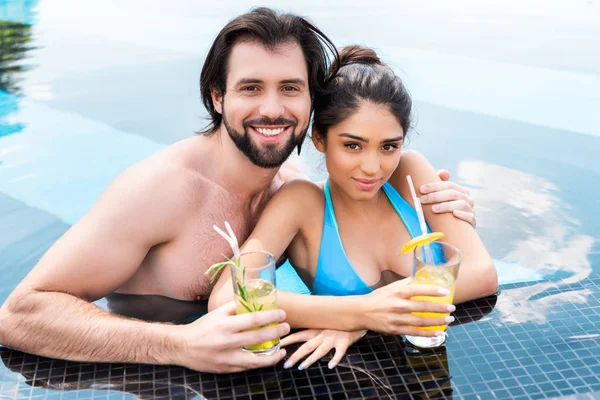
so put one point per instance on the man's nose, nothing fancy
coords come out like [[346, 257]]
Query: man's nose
[[271, 107]]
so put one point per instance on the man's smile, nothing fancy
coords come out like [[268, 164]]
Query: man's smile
[[269, 133]]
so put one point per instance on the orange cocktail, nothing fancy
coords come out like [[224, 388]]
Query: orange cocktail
[[436, 264]]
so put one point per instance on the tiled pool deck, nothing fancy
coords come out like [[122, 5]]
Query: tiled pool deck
[[485, 357]]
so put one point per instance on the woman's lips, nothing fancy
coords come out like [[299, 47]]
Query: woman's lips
[[366, 184]]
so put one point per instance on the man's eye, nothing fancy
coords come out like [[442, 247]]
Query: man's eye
[[352, 146], [290, 89], [250, 88]]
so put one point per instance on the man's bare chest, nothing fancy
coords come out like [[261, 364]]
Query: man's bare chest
[[179, 267]]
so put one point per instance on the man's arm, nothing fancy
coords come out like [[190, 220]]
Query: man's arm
[[49, 312]]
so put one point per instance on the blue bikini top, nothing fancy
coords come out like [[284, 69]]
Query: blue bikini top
[[335, 276]]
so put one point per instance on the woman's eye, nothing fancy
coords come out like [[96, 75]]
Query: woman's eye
[[390, 147], [352, 146]]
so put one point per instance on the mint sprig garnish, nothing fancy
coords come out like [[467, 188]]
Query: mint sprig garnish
[[247, 300]]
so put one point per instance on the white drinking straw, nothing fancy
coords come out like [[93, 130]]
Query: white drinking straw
[[417, 203], [231, 239]]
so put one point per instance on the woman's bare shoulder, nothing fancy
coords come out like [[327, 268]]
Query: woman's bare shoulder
[[416, 165], [410, 160], [301, 191]]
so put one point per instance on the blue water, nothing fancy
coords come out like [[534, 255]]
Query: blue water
[[507, 99], [90, 101]]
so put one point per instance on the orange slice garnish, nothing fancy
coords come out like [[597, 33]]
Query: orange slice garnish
[[421, 240]]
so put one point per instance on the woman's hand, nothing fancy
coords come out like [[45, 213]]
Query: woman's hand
[[319, 342], [449, 197], [389, 309]]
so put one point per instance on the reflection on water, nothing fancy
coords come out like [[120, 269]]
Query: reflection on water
[[430, 366], [538, 232], [8, 105], [15, 38]]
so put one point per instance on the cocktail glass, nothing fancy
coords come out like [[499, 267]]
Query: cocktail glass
[[434, 264], [254, 290]]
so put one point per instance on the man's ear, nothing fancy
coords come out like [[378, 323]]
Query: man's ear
[[317, 140], [217, 99]]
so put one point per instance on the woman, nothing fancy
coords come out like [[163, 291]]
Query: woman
[[344, 237]]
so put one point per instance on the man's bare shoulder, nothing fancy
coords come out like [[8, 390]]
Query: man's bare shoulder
[[163, 181], [289, 170]]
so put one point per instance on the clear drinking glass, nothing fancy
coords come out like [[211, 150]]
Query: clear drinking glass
[[435, 264], [254, 290]]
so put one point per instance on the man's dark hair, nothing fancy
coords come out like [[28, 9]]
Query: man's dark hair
[[270, 29]]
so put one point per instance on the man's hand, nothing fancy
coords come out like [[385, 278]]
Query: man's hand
[[449, 197], [390, 310], [319, 342], [214, 342]]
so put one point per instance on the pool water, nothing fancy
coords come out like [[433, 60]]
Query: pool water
[[506, 99]]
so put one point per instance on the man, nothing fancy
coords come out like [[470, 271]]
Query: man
[[151, 233]]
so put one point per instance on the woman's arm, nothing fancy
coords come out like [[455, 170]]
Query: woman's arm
[[477, 275], [385, 310], [296, 203], [278, 225]]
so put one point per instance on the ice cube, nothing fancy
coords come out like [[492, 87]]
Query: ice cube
[[259, 287], [434, 276]]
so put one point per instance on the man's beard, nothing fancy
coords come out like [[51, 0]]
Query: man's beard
[[269, 156]]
